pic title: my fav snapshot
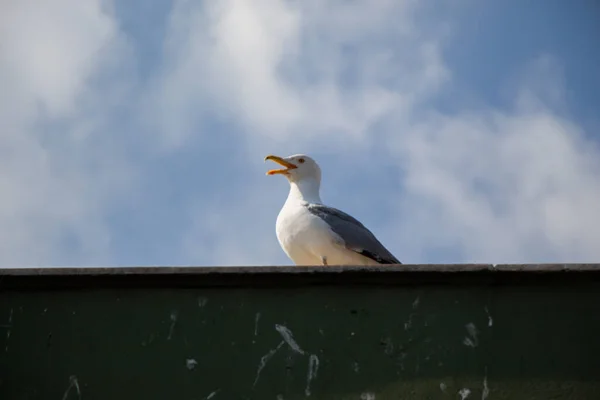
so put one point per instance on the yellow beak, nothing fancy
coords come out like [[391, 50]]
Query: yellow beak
[[288, 166]]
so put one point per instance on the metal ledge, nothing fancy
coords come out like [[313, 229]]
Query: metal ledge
[[555, 275], [427, 331], [197, 270]]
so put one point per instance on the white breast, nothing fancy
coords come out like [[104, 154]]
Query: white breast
[[307, 239]]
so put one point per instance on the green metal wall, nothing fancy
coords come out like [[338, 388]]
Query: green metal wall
[[443, 332]]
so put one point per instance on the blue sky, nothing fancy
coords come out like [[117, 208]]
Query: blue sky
[[457, 131]]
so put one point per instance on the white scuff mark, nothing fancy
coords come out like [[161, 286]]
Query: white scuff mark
[[321, 332], [464, 393], [288, 336], [190, 363], [367, 396], [490, 320], [443, 387], [173, 317], [408, 324], [486, 390], [212, 394], [264, 360], [256, 318], [313, 369], [415, 303], [8, 326], [472, 341], [202, 301], [400, 360], [356, 367], [389, 346], [279, 397], [73, 383]]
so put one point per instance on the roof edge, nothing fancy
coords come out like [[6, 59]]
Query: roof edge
[[258, 270]]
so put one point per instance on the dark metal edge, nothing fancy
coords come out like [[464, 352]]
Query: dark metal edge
[[253, 270], [555, 275], [259, 270]]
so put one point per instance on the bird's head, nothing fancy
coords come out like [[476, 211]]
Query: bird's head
[[297, 167]]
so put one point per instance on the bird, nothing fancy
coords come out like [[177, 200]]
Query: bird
[[314, 234]]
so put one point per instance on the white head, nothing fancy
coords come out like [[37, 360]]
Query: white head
[[297, 167], [303, 173]]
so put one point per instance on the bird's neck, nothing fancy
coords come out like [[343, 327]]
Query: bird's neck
[[304, 190]]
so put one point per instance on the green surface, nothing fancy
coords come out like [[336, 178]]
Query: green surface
[[322, 342]]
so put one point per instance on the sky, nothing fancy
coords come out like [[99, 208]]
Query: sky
[[133, 133]]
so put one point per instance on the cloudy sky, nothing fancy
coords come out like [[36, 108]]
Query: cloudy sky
[[133, 133]]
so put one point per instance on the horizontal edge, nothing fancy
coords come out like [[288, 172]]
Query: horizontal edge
[[258, 270]]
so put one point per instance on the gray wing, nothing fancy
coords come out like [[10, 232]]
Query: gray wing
[[355, 235]]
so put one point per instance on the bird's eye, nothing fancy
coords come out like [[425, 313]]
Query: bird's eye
[[301, 161]]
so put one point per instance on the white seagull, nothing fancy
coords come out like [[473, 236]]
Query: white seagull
[[311, 233]]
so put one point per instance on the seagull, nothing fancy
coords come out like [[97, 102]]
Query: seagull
[[312, 233]]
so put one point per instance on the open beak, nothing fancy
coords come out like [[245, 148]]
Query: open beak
[[288, 166]]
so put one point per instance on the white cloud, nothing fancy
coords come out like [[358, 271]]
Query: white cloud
[[294, 71], [485, 185], [54, 176], [356, 82], [238, 231], [49, 50], [292, 75], [503, 188]]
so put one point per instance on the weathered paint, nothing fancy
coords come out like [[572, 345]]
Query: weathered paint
[[458, 332]]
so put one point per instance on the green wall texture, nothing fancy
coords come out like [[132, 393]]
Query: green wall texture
[[407, 332]]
